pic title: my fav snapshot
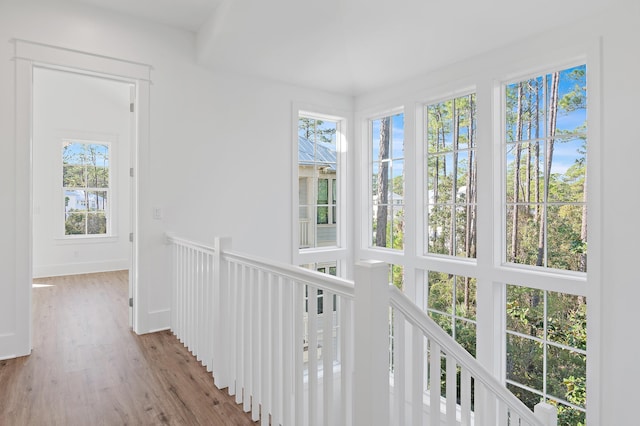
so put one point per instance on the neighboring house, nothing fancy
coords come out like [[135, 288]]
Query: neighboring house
[[317, 193], [78, 200]]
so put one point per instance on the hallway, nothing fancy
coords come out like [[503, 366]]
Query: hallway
[[88, 367]]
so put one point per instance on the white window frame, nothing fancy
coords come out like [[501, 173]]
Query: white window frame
[[98, 140], [367, 227], [340, 253], [543, 278], [491, 272], [423, 248], [579, 276]]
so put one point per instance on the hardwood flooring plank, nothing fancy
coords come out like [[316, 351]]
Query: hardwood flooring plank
[[88, 367]]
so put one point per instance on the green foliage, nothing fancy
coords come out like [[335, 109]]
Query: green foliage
[[75, 224], [451, 176], [546, 227], [577, 98], [316, 130], [564, 326], [85, 173], [452, 305], [85, 223], [397, 276], [395, 227], [397, 185]]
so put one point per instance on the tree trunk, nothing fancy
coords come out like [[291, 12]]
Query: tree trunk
[[516, 178], [383, 184], [436, 179], [553, 114], [537, 155], [454, 180], [471, 200], [583, 226], [527, 195], [469, 232]]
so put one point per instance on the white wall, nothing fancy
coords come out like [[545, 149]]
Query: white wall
[[613, 286], [214, 139], [620, 291], [72, 106]]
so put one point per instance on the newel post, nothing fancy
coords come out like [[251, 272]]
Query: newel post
[[546, 413], [220, 337], [371, 351]]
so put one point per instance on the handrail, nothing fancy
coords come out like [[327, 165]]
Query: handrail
[[433, 331], [335, 285], [170, 238], [253, 308]]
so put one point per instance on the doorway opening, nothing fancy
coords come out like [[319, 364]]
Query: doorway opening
[[91, 213], [82, 130]]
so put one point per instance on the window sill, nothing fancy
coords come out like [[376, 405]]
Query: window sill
[[87, 239]]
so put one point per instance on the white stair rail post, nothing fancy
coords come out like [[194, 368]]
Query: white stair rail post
[[546, 413], [371, 351], [221, 314]]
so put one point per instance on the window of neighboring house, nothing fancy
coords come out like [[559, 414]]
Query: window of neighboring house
[[546, 350], [451, 177], [317, 182], [86, 187], [546, 171], [326, 268], [387, 181], [326, 205], [545, 225], [330, 268], [322, 245]]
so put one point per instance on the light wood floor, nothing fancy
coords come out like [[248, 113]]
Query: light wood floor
[[88, 368]]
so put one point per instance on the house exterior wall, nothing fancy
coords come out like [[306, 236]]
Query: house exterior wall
[[312, 233]]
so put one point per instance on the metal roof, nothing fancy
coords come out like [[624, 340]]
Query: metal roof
[[324, 153]]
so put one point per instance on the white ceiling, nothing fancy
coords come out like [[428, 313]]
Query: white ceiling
[[352, 46], [185, 14]]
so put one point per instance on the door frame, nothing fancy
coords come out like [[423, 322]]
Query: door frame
[[28, 55]]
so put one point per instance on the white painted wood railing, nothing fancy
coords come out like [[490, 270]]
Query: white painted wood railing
[[259, 328], [449, 378]]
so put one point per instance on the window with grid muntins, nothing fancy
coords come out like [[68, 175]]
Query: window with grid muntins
[[451, 177], [86, 188], [387, 181], [546, 170]]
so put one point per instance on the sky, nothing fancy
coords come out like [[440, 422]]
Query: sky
[[73, 150]]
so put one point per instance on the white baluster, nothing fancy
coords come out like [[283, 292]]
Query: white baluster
[[312, 353], [327, 359], [452, 384]]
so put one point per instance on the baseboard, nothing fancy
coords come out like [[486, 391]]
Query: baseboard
[[79, 268], [158, 321], [8, 349]]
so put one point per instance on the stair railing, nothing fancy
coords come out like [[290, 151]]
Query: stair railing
[[297, 347]]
